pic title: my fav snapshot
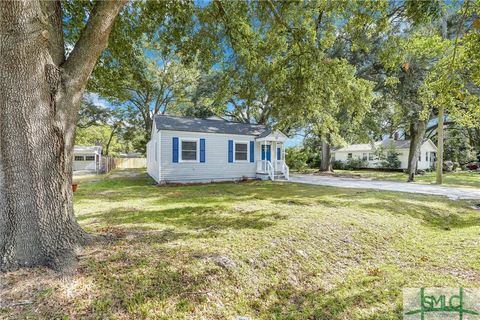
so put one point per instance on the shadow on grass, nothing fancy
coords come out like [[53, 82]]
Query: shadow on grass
[[199, 205], [212, 218]]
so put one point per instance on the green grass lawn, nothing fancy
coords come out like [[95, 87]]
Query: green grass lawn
[[263, 250], [464, 179]]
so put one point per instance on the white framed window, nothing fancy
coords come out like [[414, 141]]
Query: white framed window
[[89, 158], [370, 156], [189, 150], [426, 156], [364, 157], [349, 156], [79, 158], [241, 151]]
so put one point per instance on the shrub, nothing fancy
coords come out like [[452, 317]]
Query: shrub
[[448, 166], [338, 164], [296, 158], [389, 156], [355, 163], [391, 161]]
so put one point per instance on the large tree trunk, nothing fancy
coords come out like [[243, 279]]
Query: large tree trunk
[[417, 132], [326, 163], [440, 145], [39, 99]]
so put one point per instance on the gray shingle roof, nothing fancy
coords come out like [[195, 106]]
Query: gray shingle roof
[[172, 123], [265, 133]]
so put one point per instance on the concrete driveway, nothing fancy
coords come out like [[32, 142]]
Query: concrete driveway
[[450, 192]]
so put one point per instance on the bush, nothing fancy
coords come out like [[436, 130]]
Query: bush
[[448, 166], [389, 156], [296, 158], [338, 165], [353, 164], [456, 166], [391, 161]]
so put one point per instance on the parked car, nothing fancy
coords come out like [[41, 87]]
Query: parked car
[[473, 166]]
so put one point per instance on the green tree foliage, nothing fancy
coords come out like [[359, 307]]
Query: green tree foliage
[[296, 158], [458, 147], [391, 160]]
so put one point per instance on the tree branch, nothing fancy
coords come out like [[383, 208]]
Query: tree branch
[[92, 41], [52, 12]]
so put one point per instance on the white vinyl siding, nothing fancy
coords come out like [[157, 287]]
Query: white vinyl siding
[[216, 166], [84, 162], [423, 163], [153, 154]]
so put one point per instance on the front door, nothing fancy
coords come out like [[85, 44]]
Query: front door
[[266, 155]]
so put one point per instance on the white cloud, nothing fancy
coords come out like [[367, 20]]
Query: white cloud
[[97, 100]]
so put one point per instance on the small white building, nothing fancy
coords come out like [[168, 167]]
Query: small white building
[[87, 158], [189, 150], [366, 152]]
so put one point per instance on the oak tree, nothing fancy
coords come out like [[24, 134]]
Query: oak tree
[[40, 93]]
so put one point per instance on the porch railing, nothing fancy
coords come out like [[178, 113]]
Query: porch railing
[[270, 171], [266, 167], [281, 166]]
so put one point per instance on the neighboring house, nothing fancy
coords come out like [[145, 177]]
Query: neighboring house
[[87, 158], [426, 158], [186, 150]]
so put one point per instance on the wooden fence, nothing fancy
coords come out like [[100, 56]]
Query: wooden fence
[[110, 163]]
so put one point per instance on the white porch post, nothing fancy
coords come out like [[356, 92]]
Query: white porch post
[[264, 162], [275, 159]]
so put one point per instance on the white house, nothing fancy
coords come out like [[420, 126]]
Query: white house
[[87, 158], [366, 151], [187, 150]]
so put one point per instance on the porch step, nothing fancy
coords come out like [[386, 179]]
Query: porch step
[[265, 176]]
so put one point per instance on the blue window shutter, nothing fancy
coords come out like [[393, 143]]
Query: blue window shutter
[[175, 149], [230, 150], [279, 154], [252, 151], [202, 150]]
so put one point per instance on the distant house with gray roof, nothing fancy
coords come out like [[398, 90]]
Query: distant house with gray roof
[[368, 153], [185, 150]]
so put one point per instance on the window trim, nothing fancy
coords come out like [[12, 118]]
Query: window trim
[[75, 156], [94, 158], [180, 149], [235, 150], [349, 155]]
